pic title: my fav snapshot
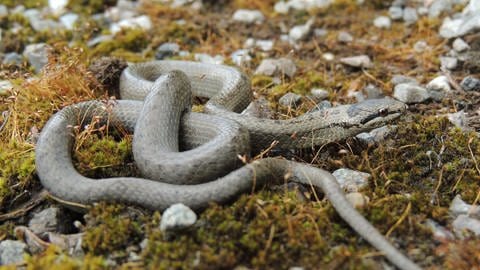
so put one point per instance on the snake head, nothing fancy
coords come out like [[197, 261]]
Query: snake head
[[374, 113]]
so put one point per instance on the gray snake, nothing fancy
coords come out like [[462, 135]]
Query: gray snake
[[215, 139]]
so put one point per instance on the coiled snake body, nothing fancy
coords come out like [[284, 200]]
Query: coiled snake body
[[215, 140]]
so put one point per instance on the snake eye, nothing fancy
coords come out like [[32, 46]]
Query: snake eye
[[383, 112]]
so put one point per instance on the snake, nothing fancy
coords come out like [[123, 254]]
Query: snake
[[172, 145]]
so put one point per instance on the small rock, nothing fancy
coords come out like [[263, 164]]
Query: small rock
[[459, 45], [464, 222], [460, 26], [470, 83], [68, 20], [142, 22], [319, 94], [5, 87], [410, 15], [382, 22], [398, 79], [258, 108], [328, 56], [410, 93], [248, 16], [290, 100], [373, 92], [440, 233], [377, 135], [360, 61], [264, 44], [205, 58], [68, 242], [11, 252], [3, 11], [97, 40], [420, 46], [44, 24], [37, 55], [320, 32], [350, 179], [395, 12], [344, 37], [422, 10], [459, 207], [177, 217], [459, 119], [300, 32], [448, 62], [357, 199], [439, 6], [48, 220], [277, 67], [57, 6], [438, 88], [166, 50], [241, 57], [281, 7]]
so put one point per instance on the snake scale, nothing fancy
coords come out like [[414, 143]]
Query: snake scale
[[155, 106]]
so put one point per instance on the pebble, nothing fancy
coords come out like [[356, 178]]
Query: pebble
[[97, 40], [290, 100], [48, 220], [420, 46], [350, 179], [322, 105], [344, 37], [11, 252], [259, 108], [470, 83], [142, 22], [373, 92], [319, 93], [398, 79], [357, 200], [377, 135], [37, 55], [459, 45], [447, 62], [123, 10], [3, 11], [464, 222], [410, 93], [300, 32], [277, 67], [460, 207], [320, 32], [177, 217], [283, 7], [265, 45], [5, 87], [438, 88], [57, 6], [382, 22], [395, 12], [328, 56], [438, 6], [459, 26], [360, 61], [166, 50], [68, 20], [241, 57], [39, 24], [248, 16], [440, 233], [410, 15], [459, 119], [205, 58]]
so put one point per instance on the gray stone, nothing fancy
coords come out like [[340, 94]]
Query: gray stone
[[259, 108], [460, 26], [459, 119], [319, 93], [12, 58], [328, 56], [5, 87], [37, 55], [359, 61], [166, 50], [460, 207], [350, 179], [398, 79], [290, 100], [395, 12], [142, 22], [248, 16], [48, 220], [420, 46], [357, 199], [320, 32], [470, 83], [344, 37], [277, 67], [438, 88], [44, 24], [241, 57], [322, 105], [281, 7], [265, 45], [57, 6], [439, 232], [177, 217], [11, 252], [410, 15], [459, 45], [377, 135], [97, 40], [372, 92], [382, 22], [3, 11], [465, 223], [68, 20], [284, 6], [447, 62], [300, 32], [205, 58], [439, 6], [410, 93]]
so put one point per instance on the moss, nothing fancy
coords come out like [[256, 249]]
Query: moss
[[128, 39], [89, 7], [55, 259], [25, 3]]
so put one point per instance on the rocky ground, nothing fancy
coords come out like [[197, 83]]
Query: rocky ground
[[417, 180]]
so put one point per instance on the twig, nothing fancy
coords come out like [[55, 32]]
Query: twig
[[400, 220]]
